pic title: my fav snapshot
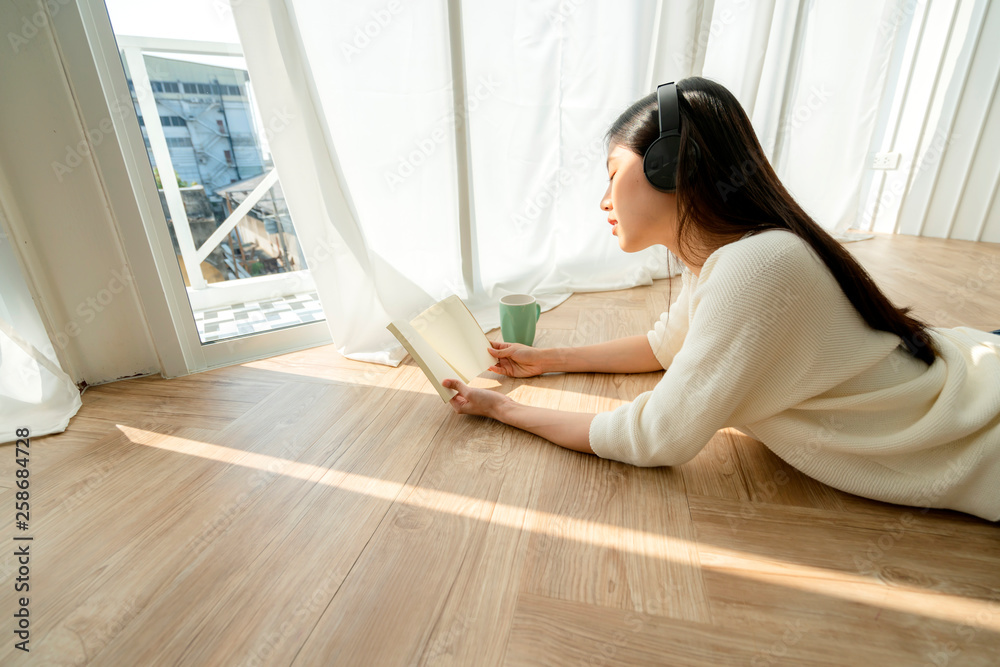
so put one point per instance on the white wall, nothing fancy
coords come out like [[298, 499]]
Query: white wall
[[57, 209], [945, 121]]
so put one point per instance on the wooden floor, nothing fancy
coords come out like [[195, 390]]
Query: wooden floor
[[311, 510]]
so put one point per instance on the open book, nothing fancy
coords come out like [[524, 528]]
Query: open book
[[446, 341]]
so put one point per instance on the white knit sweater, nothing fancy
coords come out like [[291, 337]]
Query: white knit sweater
[[765, 341]]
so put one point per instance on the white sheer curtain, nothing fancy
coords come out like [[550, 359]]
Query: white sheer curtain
[[396, 209], [35, 393], [811, 76]]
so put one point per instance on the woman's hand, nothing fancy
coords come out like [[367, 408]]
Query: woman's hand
[[475, 401], [517, 360]]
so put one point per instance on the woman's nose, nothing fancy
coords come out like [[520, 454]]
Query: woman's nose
[[606, 199]]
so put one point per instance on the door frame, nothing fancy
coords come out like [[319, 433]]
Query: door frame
[[95, 73]]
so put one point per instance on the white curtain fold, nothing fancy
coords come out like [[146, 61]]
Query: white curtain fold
[[811, 76], [35, 393], [360, 97]]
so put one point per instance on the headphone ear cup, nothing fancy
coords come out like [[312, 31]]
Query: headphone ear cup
[[660, 162]]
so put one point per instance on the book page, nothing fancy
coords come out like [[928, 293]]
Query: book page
[[452, 331], [434, 367]]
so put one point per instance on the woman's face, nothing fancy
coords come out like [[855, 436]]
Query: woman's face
[[644, 215]]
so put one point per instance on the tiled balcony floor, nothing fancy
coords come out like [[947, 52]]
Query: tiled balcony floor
[[255, 316]]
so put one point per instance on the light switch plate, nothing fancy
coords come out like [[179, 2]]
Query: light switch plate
[[885, 161]]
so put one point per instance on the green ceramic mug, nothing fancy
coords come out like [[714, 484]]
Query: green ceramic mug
[[518, 315]]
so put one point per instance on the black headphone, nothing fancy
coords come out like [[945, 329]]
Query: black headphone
[[660, 161]]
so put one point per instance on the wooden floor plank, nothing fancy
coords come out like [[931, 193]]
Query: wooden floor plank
[[196, 412], [549, 631]]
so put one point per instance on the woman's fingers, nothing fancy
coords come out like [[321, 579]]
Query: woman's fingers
[[502, 349], [458, 400]]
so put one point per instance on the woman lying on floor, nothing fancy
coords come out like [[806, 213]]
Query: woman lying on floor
[[777, 331]]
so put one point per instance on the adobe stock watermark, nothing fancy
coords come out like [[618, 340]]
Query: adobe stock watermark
[[262, 477], [660, 606], [593, 322], [983, 278], [935, 151], [684, 59], [267, 644], [370, 30], [75, 155], [740, 174], [443, 644], [443, 130], [930, 495], [767, 491], [277, 123], [777, 651], [30, 26], [943, 652], [90, 308], [771, 321], [319, 252], [563, 11], [559, 179], [94, 136], [818, 97], [901, 10], [826, 430], [224, 8]]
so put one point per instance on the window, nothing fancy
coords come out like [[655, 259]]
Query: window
[[182, 87], [175, 121]]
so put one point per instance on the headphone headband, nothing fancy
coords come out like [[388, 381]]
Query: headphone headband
[[666, 102]]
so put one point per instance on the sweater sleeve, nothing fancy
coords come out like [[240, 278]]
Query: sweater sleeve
[[667, 335], [745, 342]]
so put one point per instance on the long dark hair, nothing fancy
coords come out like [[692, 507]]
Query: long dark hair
[[726, 187]]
